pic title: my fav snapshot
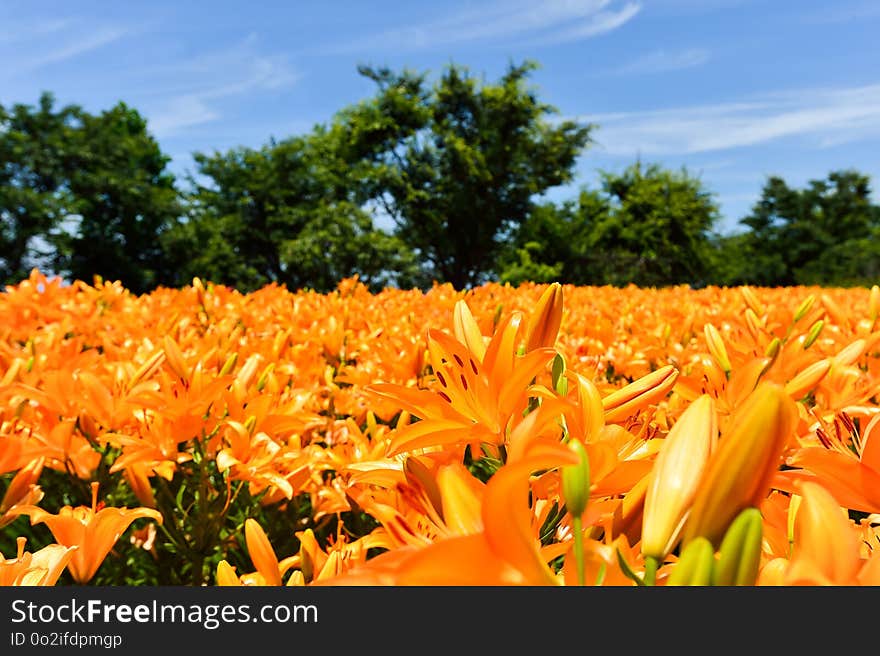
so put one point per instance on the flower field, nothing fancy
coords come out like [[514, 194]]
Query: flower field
[[531, 435]]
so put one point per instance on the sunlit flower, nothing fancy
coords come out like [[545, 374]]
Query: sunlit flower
[[92, 531], [42, 567]]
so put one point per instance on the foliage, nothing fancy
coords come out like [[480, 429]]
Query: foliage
[[457, 165], [94, 188], [821, 234], [34, 154], [423, 182], [285, 214], [646, 226]]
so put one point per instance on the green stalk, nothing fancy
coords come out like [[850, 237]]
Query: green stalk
[[651, 566], [577, 524]]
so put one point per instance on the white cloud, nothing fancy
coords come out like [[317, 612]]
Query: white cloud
[[193, 90], [100, 38], [662, 61], [179, 113], [825, 116], [19, 31], [599, 23], [51, 48], [553, 21]]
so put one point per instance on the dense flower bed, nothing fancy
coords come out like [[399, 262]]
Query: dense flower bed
[[537, 435]]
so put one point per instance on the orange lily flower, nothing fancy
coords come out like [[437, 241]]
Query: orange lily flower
[[269, 569], [845, 462], [311, 563], [92, 531], [826, 545], [42, 567], [22, 491], [505, 552], [475, 401]]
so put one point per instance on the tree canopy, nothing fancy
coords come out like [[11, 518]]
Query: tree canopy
[[441, 179], [824, 233], [645, 225], [456, 165], [88, 194]]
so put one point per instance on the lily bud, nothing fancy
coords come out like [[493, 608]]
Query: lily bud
[[803, 308], [11, 373], [226, 575], [813, 333], [576, 480], [261, 552], [641, 392], [753, 323], [752, 300], [716, 347], [174, 358], [695, 565], [675, 476], [739, 473], [773, 348], [544, 322], [229, 365], [807, 379], [849, 354], [466, 329], [838, 316], [739, 558], [264, 376]]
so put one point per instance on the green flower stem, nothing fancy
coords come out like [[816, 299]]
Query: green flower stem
[[578, 526], [651, 566]]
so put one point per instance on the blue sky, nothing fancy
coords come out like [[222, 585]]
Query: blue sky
[[733, 90]]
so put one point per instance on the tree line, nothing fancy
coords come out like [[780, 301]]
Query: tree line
[[459, 168]]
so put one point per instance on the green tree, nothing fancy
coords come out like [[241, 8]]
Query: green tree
[[124, 199], [647, 226], [457, 165], [822, 234], [555, 243], [82, 194], [658, 228], [34, 166], [286, 213]]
